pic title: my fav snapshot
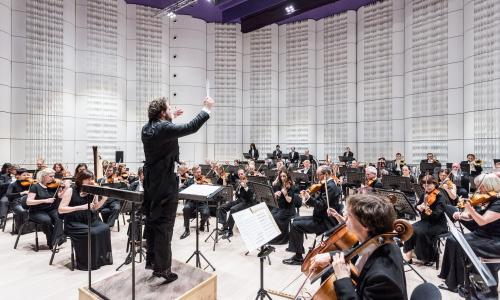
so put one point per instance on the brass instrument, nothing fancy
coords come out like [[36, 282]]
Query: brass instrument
[[478, 162], [435, 161], [402, 161]]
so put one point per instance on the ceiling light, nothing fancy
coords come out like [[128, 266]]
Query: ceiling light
[[289, 9]]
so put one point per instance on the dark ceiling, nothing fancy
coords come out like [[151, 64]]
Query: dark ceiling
[[233, 11]]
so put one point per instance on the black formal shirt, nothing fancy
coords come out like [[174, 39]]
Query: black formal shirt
[[14, 191], [277, 153], [43, 193], [320, 205]]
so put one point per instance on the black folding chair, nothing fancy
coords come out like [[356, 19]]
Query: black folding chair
[[27, 222]]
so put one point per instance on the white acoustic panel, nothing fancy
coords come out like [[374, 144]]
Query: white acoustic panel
[[377, 75], [430, 79], [486, 81], [44, 80], [102, 69], [148, 68], [335, 79]]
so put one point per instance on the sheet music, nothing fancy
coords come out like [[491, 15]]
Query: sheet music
[[256, 225], [200, 190]]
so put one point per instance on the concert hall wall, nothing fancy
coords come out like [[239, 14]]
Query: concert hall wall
[[394, 76]]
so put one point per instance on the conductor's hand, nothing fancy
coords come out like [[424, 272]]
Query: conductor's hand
[[320, 260], [341, 268], [177, 112], [208, 103]]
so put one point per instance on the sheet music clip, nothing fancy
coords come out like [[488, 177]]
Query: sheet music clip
[[266, 251]]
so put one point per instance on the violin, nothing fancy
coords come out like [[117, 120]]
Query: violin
[[288, 184], [369, 183], [430, 199], [402, 232], [477, 199], [203, 180], [314, 188], [112, 178], [28, 182], [54, 184]]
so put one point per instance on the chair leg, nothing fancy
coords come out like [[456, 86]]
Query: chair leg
[[5, 223], [118, 223], [208, 225], [19, 234], [72, 257], [54, 250], [36, 237], [123, 216]]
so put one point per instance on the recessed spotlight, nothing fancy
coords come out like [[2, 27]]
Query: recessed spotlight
[[290, 9]]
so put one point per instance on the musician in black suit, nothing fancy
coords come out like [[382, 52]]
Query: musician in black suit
[[277, 152], [371, 178], [319, 222], [430, 159], [254, 153], [348, 152], [307, 169], [294, 158], [396, 165], [190, 205], [244, 199], [381, 270], [475, 170], [308, 156], [161, 149]]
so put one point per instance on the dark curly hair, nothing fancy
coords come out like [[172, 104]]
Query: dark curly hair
[[156, 107]]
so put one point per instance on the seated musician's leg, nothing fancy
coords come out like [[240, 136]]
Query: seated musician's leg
[[205, 214], [223, 210], [299, 226], [186, 213], [230, 222]]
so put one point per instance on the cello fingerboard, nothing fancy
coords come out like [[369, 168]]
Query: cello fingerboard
[[287, 296]]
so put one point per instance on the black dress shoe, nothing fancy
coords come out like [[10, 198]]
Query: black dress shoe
[[202, 228], [293, 261], [443, 287], [185, 234], [227, 235], [169, 277], [149, 265], [409, 261], [428, 264]]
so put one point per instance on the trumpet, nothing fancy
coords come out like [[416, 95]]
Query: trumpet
[[478, 162]]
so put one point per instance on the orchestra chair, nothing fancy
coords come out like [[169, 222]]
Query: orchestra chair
[[26, 223], [450, 210], [108, 211], [10, 211], [426, 291], [55, 249], [192, 216]]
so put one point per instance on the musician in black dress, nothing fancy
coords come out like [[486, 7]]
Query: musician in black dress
[[254, 153], [190, 205], [161, 149], [74, 208], [12, 199], [484, 222], [43, 206], [111, 206], [432, 206], [285, 191], [381, 270], [446, 183], [319, 222], [277, 152], [83, 166], [244, 199]]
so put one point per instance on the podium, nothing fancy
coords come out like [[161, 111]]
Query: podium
[[124, 195]]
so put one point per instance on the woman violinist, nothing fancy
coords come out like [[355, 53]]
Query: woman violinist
[[284, 191], [484, 238], [74, 208], [80, 167], [381, 269], [432, 206], [12, 198], [43, 206], [222, 177], [446, 183]]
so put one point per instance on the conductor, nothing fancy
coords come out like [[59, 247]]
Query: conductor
[[161, 149]]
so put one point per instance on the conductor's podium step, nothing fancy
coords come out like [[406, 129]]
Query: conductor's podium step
[[193, 283]]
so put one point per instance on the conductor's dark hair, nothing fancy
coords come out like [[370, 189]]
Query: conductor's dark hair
[[80, 177], [156, 107], [80, 165]]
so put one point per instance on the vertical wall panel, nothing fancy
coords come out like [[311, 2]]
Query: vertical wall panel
[[44, 79], [5, 81]]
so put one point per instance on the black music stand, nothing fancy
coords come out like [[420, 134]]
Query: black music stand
[[199, 193], [355, 178], [258, 179], [346, 159], [402, 205], [224, 195], [129, 196], [264, 193], [484, 279], [397, 183], [271, 173], [424, 167], [300, 178], [418, 189], [247, 155], [271, 156]]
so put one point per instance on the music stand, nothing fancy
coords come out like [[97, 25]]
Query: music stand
[[465, 168], [264, 193], [418, 189], [397, 183], [355, 178], [343, 170], [345, 159], [130, 196], [402, 205], [247, 155], [271, 173], [285, 157], [271, 156], [424, 167], [482, 280], [300, 177], [257, 179], [224, 195]]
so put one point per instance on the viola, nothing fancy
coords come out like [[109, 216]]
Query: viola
[[314, 188], [203, 180]]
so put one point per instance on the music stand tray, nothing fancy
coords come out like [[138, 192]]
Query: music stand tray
[[271, 173], [285, 156], [264, 193], [396, 183], [299, 177], [418, 189], [424, 167], [272, 156], [257, 179], [355, 178], [345, 158], [402, 204], [247, 155]]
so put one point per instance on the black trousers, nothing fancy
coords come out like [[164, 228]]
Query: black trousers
[[51, 225], [110, 211], [158, 234], [4, 207], [232, 207], [301, 225], [191, 206]]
